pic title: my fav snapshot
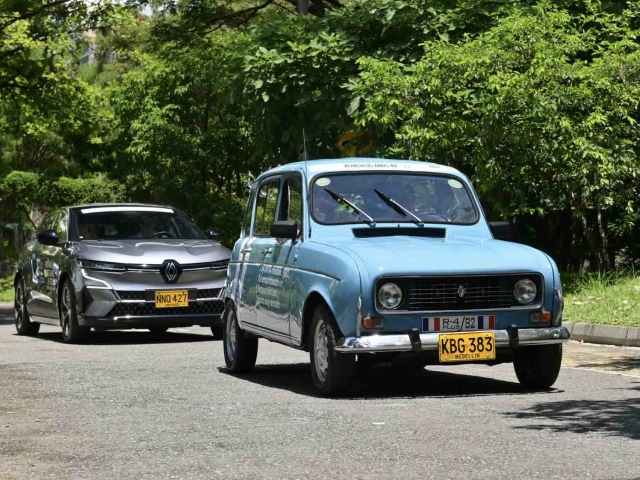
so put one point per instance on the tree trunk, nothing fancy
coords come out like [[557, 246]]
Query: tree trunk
[[604, 247]]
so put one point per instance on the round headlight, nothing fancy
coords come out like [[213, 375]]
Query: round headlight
[[390, 295], [525, 291]]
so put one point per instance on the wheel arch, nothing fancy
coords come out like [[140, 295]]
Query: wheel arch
[[313, 300]]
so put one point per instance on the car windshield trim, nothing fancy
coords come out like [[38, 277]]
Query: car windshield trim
[[477, 212], [127, 209]]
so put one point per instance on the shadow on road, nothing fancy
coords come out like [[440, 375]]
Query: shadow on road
[[386, 382], [130, 338], [610, 417], [620, 364]]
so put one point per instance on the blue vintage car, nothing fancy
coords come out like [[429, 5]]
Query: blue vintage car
[[358, 261]]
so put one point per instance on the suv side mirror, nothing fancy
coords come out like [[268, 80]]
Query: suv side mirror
[[285, 229], [211, 234], [48, 237], [501, 230]]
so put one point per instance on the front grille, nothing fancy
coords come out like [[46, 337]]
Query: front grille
[[148, 309], [464, 292], [148, 295]]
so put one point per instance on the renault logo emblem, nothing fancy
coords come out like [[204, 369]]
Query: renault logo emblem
[[461, 291], [170, 271]]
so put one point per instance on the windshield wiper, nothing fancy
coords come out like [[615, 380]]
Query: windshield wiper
[[340, 199], [399, 208]]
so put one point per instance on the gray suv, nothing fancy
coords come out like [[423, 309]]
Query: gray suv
[[120, 266]]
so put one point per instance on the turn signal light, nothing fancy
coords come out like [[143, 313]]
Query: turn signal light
[[368, 322], [540, 317]]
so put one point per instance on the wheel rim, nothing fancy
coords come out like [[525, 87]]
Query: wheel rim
[[321, 351], [230, 338], [65, 310], [18, 305]]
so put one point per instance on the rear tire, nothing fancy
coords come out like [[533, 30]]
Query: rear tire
[[240, 351], [332, 372], [538, 367], [24, 325], [217, 332], [71, 331]]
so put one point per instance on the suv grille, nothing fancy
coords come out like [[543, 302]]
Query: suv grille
[[142, 295], [460, 293], [148, 309]]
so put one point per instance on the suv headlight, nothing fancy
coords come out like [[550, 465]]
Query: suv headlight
[[525, 291], [106, 266], [390, 296]]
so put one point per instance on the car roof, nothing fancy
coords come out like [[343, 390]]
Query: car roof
[[315, 167], [120, 204]]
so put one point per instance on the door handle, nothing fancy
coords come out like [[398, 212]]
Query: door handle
[[245, 250], [266, 251]]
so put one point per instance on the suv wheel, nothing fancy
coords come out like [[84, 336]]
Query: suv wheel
[[538, 367], [71, 331], [24, 325], [332, 372], [240, 352]]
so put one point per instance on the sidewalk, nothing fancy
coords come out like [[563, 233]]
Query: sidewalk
[[604, 334]]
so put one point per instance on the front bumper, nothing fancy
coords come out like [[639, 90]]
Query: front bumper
[[429, 341], [170, 321]]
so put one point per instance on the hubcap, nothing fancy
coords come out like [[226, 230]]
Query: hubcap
[[18, 303], [230, 339], [321, 351], [65, 310]]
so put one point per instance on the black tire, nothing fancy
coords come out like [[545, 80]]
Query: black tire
[[538, 367], [158, 329], [71, 331], [240, 351], [332, 372], [24, 325], [217, 332]]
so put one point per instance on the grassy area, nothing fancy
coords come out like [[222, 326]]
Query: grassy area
[[611, 298], [6, 289]]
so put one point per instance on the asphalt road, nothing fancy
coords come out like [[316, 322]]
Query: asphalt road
[[127, 406]]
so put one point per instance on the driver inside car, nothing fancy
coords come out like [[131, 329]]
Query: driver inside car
[[146, 227]]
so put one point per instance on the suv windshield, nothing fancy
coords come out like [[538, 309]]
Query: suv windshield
[[384, 197], [129, 222]]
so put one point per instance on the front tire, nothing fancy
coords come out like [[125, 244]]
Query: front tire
[[240, 352], [158, 330], [24, 325], [71, 331], [217, 332], [538, 367], [332, 372]]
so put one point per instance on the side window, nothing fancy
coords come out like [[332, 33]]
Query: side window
[[291, 205], [266, 207], [248, 214]]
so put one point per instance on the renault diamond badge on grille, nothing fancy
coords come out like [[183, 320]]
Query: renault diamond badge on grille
[[461, 291], [170, 271]]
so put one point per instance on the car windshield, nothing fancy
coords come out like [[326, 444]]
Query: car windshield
[[126, 222], [384, 197]]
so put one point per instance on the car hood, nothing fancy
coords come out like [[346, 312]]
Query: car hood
[[152, 251], [407, 255]]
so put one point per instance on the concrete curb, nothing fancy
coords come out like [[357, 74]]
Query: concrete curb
[[604, 334]]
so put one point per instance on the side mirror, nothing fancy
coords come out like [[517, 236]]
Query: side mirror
[[48, 237], [211, 234], [501, 230], [285, 229]]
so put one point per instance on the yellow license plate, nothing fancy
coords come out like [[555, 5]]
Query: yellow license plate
[[466, 347], [172, 298]]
